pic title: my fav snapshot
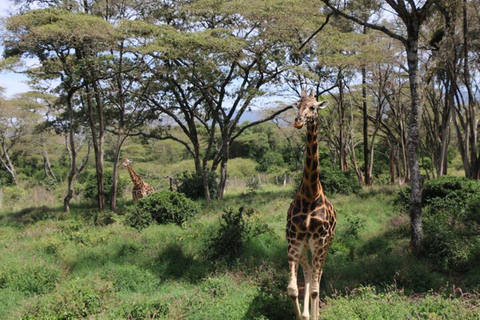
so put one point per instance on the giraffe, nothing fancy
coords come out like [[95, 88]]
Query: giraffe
[[141, 188], [311, 218]]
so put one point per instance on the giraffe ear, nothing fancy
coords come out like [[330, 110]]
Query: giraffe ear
[[295, 105], [321, 104]]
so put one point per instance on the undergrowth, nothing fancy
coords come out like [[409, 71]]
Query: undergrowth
[[63, 266]]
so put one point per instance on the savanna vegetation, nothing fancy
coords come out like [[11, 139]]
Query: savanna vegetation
[[198, 95]]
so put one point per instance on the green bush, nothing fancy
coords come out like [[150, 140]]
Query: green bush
[[451, 221], [270, 161], [236, 230], [163, 207], [336, 181], [191, 184], [444, 192], [91, 189]]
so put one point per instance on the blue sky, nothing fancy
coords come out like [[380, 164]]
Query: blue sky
[[13, 83]]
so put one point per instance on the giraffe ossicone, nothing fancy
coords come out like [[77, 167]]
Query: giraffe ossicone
[[311, 218], [140, 189]]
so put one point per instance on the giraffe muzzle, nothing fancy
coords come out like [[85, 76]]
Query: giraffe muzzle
[[298, 124]]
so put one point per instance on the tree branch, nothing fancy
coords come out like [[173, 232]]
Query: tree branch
[[366, 24]]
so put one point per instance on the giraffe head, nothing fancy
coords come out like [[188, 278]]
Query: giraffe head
[[307, 108], [125, 162]]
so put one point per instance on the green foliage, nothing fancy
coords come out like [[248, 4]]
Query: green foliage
[[337, 181], [36, 276], [162, 207], [78, 298], [367, 303], [142, 309], [441, 193], [253, 185], [138, 219], [451, 221], [112, 271], [91, 189], [191, 184], [236, 230], [270, 162], [334, 180]]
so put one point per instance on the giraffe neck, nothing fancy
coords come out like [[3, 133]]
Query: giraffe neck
[[311, 188], [135, 178]]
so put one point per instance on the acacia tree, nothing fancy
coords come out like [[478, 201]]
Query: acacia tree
[[18, 118], [67, 45], [208, 70], [412, 14], [465, 114]]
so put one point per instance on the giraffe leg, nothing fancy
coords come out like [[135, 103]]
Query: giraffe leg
[[315, 292], [317, 270], [292, 289], [307, 274]]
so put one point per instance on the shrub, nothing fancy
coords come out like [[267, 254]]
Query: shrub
[[191, 184], [270, 161], [451, 221], [236, 230], [336, 181], [91, 188], [441, 193], [163, 207]]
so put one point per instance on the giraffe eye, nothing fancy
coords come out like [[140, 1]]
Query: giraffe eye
[[312, 108]]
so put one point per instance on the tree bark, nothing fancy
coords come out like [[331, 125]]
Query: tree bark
[[416, 241], [72, 154]]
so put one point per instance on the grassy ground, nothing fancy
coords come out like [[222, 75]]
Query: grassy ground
[[65, 266]]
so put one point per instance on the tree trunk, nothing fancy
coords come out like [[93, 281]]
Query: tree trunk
[[416, 241], [7, 163], [118, 147], [46, 162], [98, 138], [223, 168], [341, 112], [72, 154], [472, 108], [366, 151]]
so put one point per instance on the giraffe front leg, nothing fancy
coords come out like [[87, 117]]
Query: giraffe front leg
[[315, 292], [307, 274], [292, 289], [319, 254]]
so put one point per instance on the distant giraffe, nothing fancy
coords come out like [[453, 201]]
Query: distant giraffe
[[141, 188], [311, 218]]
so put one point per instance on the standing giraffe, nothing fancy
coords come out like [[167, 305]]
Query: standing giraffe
[[311, 218], [141, 188]]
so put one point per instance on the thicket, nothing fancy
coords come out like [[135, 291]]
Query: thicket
[[90, 189], [334, 180], [162, 207], [191, 184], [451, 207], [236, 229]]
